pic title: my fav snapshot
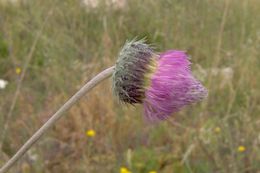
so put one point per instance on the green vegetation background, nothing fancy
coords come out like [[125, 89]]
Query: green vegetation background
[[66, 43]]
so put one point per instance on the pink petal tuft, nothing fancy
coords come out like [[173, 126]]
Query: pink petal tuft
[[172, 86]]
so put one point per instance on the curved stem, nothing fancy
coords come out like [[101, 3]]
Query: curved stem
[[86, 88]]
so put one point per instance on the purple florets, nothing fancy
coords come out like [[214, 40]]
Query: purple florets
[[172, 86]]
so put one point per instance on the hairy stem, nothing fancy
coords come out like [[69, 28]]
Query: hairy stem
[[86, 88]]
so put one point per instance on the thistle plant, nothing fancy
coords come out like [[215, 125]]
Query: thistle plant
[[162, 82]]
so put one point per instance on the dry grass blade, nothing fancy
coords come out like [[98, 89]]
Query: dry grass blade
[[19, 85]]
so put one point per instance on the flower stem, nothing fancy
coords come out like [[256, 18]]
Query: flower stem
[[86, 88]]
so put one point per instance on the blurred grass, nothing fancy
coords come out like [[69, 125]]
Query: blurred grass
[[77, 42]]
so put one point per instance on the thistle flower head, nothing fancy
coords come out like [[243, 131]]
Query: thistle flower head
[[162, 82]]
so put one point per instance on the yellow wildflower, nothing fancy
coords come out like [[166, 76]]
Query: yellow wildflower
[[152, 172], [241, 148], [124, 170], [90, 133], [25, 168], [18, 70], [217, 129]]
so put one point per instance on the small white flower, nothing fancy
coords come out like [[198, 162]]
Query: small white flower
[[117, 4], [3, 83], [90, 3]]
